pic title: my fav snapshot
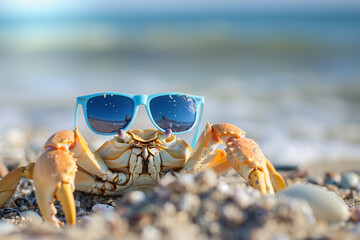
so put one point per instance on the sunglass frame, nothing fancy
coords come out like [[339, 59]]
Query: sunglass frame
[[143, 100]]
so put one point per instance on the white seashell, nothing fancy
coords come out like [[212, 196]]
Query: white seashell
[[32, 216], [102, 208], [324, 203]]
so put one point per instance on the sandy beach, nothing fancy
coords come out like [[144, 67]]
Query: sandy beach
[[201, 206], [288, 76]]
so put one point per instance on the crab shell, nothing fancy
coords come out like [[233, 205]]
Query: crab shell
[[144, 156]]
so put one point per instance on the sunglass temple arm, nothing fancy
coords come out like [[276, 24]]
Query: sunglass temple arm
[[196, 136], [76, 113]]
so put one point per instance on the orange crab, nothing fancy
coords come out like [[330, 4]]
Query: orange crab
[[135, 160]]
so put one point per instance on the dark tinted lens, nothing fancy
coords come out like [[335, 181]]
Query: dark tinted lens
[[175, 112], [108, 113]]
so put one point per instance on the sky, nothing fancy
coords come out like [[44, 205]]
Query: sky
[[25, 8]]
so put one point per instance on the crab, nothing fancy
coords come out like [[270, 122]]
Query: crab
[[135, 160]]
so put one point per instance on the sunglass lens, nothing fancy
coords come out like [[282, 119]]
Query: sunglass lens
[[175, 112], [107, 113]]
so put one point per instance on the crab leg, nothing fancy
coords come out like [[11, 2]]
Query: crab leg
[[276, 179], [243, 154], [9, 182], [219, 163]]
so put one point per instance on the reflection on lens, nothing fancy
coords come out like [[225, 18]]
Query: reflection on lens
[[108, 113], [175, 112]]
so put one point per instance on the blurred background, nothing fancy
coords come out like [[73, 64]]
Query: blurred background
[[286, 72]]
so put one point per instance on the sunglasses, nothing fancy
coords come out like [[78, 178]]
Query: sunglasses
[[106, 113]]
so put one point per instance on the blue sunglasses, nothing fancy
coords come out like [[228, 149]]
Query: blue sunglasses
[[106, 113]]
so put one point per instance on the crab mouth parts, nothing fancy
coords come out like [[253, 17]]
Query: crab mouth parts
[[146, 179]]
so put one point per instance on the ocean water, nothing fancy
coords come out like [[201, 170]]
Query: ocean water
[[291, 81]]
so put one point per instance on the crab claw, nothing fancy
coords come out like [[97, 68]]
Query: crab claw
[[54, 175], [246, 157], [241, 153]]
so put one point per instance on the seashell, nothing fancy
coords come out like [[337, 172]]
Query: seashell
[[325, 204], [102, 208]]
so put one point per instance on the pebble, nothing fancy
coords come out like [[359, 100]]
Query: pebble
[[242, 198], [136, 197], [207, 179], [102, 208], [223, 187], [166, 180], [150, 233], [350, 180], [77, 203], [23, 208], [233, 214], [189, 202], [355, 214], [186, 179], [325, 204], [32, 216], [332, 178], [80, 212]]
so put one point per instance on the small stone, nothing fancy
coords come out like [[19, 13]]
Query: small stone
[[332, 178], [166, 180], [80, 213], [84, 220], [149, 232], [163, 193], [189, 203], [233, 214], [23, 208], [136, 197], [223, 187], [350, 180], [324, 203], [355, 214], [358, 187], [315, 180], [186, 179], [77, 203], [207, 179], [242, 198], [214, 228], [32, 216], [102, 208], [268, 202]]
